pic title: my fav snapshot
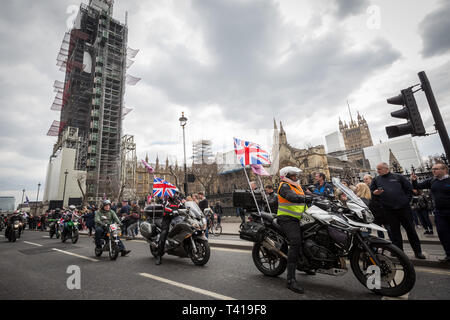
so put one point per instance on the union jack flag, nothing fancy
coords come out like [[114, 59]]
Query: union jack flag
[[250, 153], [162, 188]]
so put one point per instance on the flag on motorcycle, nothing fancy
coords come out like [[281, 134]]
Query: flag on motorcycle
[[249, 153], [162, 188], [148, 167]]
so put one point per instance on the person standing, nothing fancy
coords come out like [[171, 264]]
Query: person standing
[[377, 210], [422, 212], [203, 204], [439, 186], [321, 187], [89, 219], [395, 193], [219, 211], [272, 198]]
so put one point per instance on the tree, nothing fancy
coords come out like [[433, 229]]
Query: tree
[[206, 174]]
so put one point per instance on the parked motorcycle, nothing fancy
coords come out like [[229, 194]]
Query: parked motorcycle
[[186, 236], [331, 233], [12, 231], [110, 241]]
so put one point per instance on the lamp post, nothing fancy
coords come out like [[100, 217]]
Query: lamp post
[[23, 193], [183, 121], [37, 199], [65, 181]]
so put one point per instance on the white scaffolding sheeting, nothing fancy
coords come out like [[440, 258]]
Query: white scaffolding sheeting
[[129, 63], [132, 80], [126, 111], [54, 129], [132, 52]]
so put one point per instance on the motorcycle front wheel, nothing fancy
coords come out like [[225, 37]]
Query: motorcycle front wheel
[[270, 264], [203, 252], [113, 251], [75, 236], [396, 272]]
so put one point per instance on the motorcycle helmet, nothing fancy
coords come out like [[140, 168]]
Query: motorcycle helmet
[[105, 203], [288, 171], [72, 207]]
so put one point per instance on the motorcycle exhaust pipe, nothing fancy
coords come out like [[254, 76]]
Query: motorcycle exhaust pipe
[[270, 245]]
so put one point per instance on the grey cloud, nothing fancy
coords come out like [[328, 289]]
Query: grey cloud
[[245, 80], [435, 31], [345, 8]]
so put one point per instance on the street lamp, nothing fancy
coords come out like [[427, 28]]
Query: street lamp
[[64, 192], [183, 121], [23, 193], [37, 199]]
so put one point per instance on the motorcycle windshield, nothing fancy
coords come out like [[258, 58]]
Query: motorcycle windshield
[[194, 208], [349, 193]]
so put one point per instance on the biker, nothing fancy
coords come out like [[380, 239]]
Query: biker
[[10, 220], [67, 216], [291, 205], [101, 225], [171, 204]]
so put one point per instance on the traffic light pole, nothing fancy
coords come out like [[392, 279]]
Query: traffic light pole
[[439, 123]]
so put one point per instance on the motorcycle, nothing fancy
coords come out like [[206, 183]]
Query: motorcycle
[[54, 228], [71, 230], [331, 233], [186, 237], [12, 231], [110, 241]]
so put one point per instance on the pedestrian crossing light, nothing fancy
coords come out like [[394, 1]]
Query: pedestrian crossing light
[[410, 112]]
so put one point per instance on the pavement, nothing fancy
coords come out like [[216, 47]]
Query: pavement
[[431, 245]]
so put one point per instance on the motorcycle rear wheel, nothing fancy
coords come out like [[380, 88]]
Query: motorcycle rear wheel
[[267, 262], [393, 266]]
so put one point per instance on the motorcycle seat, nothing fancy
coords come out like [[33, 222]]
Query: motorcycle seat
[[267, 216], [277, 226]]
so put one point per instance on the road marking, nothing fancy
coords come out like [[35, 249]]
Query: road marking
[[187, 287], [46, 237], [34, 244], [434, 271], [231, 250], [75, 255], [2, 236]]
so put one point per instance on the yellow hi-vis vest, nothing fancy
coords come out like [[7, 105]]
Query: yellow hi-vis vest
[[285, 207]]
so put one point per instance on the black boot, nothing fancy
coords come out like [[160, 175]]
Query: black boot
[[158, 260], [291, 282]]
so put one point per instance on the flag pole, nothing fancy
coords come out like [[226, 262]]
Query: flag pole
[[254, 198], [265, 195]]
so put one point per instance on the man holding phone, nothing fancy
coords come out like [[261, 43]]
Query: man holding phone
[[395, 194]]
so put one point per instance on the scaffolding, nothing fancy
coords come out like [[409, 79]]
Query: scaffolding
[[202, 152], [93, 56]]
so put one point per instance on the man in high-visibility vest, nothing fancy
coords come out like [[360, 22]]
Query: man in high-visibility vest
[[291, 205]]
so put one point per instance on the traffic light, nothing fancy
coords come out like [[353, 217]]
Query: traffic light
[[410, 112]]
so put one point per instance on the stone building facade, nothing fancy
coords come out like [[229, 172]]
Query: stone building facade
[[356, 137]]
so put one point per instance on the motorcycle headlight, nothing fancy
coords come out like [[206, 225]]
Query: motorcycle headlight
[[368, 216]]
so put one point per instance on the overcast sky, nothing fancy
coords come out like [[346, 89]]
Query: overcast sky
[[232, 66]]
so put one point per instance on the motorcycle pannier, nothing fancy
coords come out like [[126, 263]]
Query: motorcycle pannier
[[148, 230], [251, 231]]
